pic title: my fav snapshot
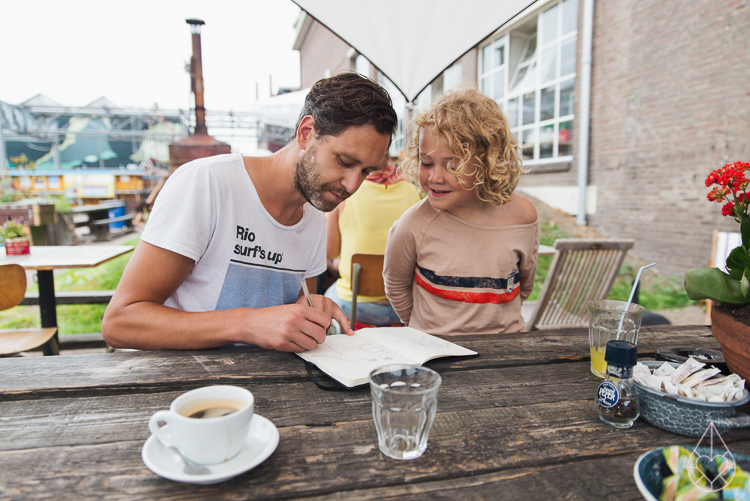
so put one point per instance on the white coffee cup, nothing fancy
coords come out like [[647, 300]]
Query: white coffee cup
[[206, 440]]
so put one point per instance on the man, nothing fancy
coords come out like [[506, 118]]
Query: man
[[231, 238]]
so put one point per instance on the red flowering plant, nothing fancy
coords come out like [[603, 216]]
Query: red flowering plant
[[730, 185]]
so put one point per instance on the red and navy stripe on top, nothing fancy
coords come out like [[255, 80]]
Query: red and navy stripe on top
[[477, 290]]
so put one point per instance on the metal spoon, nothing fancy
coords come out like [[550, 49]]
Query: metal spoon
[[190, 467]]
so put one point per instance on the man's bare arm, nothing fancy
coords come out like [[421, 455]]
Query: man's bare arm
[[137, 318]]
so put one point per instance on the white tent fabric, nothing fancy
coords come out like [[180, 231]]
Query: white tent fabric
[[282, 110], [413, 41]]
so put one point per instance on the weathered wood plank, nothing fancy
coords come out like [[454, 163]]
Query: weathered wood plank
[[600, 478], [488, 420], [98, 419], [163, 370], [507, 427], [319, 461]]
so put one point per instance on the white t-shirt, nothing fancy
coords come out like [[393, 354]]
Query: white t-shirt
[[210, 212]]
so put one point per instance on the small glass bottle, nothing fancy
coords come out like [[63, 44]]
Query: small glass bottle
[[615, 398]]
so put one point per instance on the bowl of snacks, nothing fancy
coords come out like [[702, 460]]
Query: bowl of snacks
[[685, 399], [681, 473]]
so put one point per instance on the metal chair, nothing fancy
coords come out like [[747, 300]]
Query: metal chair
[[367, 279], [581, 270], [12, 291]]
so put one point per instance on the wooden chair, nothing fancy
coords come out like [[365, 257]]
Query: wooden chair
[[12, 291], [581, 270], [367, 279]]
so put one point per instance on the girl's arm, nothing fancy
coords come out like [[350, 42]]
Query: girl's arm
[[398, 269]]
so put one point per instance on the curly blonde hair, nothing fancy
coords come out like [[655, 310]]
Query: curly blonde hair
[[473, 127]]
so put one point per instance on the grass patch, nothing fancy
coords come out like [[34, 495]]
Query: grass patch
[[662, 293], [548, 233], [73, 318]]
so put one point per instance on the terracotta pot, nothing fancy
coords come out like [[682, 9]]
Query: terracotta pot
[[734, 337], [18, 246]]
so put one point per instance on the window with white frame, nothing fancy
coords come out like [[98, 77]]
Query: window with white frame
[[530, 71], [399, 104], [362, 65], [452, 76]]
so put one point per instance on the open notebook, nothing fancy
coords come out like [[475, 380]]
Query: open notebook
[[350, 359]]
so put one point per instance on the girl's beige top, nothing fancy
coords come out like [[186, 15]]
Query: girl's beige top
[[446, 276]]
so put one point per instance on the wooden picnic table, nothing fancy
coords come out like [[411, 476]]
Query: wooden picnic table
[[517, 422], [46, 259]]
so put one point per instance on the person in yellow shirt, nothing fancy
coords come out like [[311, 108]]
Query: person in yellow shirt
[[360, 225]]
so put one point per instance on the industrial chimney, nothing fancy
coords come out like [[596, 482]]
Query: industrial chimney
[[200, 144]]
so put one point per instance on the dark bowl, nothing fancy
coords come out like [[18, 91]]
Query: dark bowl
[[651, 469], [685, 416]]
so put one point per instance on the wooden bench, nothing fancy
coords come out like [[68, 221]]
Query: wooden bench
[[76, 341]]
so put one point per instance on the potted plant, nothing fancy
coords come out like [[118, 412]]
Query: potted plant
[[730, 314], [16, 239]]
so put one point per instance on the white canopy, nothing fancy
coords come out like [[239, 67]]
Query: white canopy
[[413, 41]]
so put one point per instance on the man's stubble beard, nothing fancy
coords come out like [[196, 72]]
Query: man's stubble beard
[[307, 181]]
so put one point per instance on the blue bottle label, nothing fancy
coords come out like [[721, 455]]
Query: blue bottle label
[[608, 394]]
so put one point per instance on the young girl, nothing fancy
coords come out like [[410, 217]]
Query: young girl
[[462, 260]]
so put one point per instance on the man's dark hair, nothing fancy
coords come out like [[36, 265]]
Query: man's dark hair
[[345, 99]]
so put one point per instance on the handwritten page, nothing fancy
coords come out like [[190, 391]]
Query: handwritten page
[[350, 359], [417, 345]]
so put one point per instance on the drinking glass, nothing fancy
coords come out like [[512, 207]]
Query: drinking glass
[[609, 320], [404, 401]]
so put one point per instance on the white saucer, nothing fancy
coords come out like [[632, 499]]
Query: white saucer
[[260, 443]]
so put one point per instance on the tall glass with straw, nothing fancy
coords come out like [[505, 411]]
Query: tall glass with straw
[[609, 319]]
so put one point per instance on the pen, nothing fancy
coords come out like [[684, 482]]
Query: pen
[[331, 329], [307, 293]]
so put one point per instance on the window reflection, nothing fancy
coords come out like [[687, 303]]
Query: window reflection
[[500, 56], [569, 16], [531, 49], [549, 25], [512, 112], [547, 141], [520, 77], [565, 139], [549, 64], [566, 97], [529, 108], [487, 59], [527, 145], [568, 57], [499, 85], [547, 107]]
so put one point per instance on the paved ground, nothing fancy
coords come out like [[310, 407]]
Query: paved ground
[[691, 315]]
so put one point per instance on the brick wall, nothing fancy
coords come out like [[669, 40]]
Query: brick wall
[[670, 102]]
